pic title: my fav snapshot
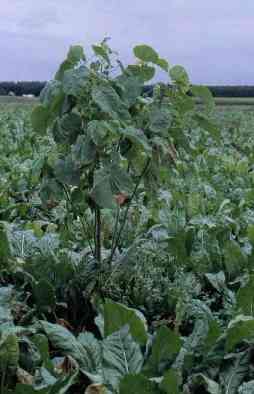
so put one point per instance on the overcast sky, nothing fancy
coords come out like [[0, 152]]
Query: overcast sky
[[213, 39]]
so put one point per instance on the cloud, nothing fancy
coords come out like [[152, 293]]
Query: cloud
[[213, 40]]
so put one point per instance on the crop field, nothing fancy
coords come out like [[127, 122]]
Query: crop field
[[126, 236]]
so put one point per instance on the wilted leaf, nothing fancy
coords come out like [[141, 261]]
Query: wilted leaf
[[96, 389]]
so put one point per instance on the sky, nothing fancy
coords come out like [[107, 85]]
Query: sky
[[212, 39]]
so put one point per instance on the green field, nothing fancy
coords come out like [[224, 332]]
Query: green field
[[219, 101], [190, 271], [126, 235]]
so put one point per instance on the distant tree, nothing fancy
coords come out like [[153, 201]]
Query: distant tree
[[2, 91]]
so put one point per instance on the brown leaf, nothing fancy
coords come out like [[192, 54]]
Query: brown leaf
[[121, 198], [64, 323], [24, 377], [96, 389], [66, 366]]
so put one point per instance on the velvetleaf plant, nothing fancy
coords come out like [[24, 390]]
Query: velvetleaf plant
[[111, 140]]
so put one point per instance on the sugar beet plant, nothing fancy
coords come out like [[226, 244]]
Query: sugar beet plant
[[112, 143]]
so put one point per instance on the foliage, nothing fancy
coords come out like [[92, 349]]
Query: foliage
[[126, 235]]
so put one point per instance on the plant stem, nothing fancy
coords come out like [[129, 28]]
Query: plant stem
[[97, 235], [3, 380], [115, 232], [85, 227], [118, 238], [86, 232]]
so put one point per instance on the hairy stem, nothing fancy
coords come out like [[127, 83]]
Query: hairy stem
[[97, 235]]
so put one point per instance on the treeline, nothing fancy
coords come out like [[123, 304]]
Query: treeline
[[21, 88], [232, 91], [221, 91]]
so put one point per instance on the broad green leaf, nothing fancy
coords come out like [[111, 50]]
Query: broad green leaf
[[169, 383], [102, 193], [120, 179], [97, 131], [144, 72], [94, 351], [44, 295], [208, 125], [110, 102], [65, 342], [245, 298], [138, 384], [6, 294], [117, 315], [67, 171], [100, 50], [76, 53], [204, 94], [179, 75], [121, 356], [131, 88], [137, 137], [41, 342], [239, 329], [163, 64], [84, 151], [234, 257], [5, 242], [51, 191], [161, 119], [250, 233], [145, 53], [165, 347], [9, 352], [53, 98], [217, 280], [75, 81], [214, 332], [236, 370], [20, 243], [74, 56], [67, 130]]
